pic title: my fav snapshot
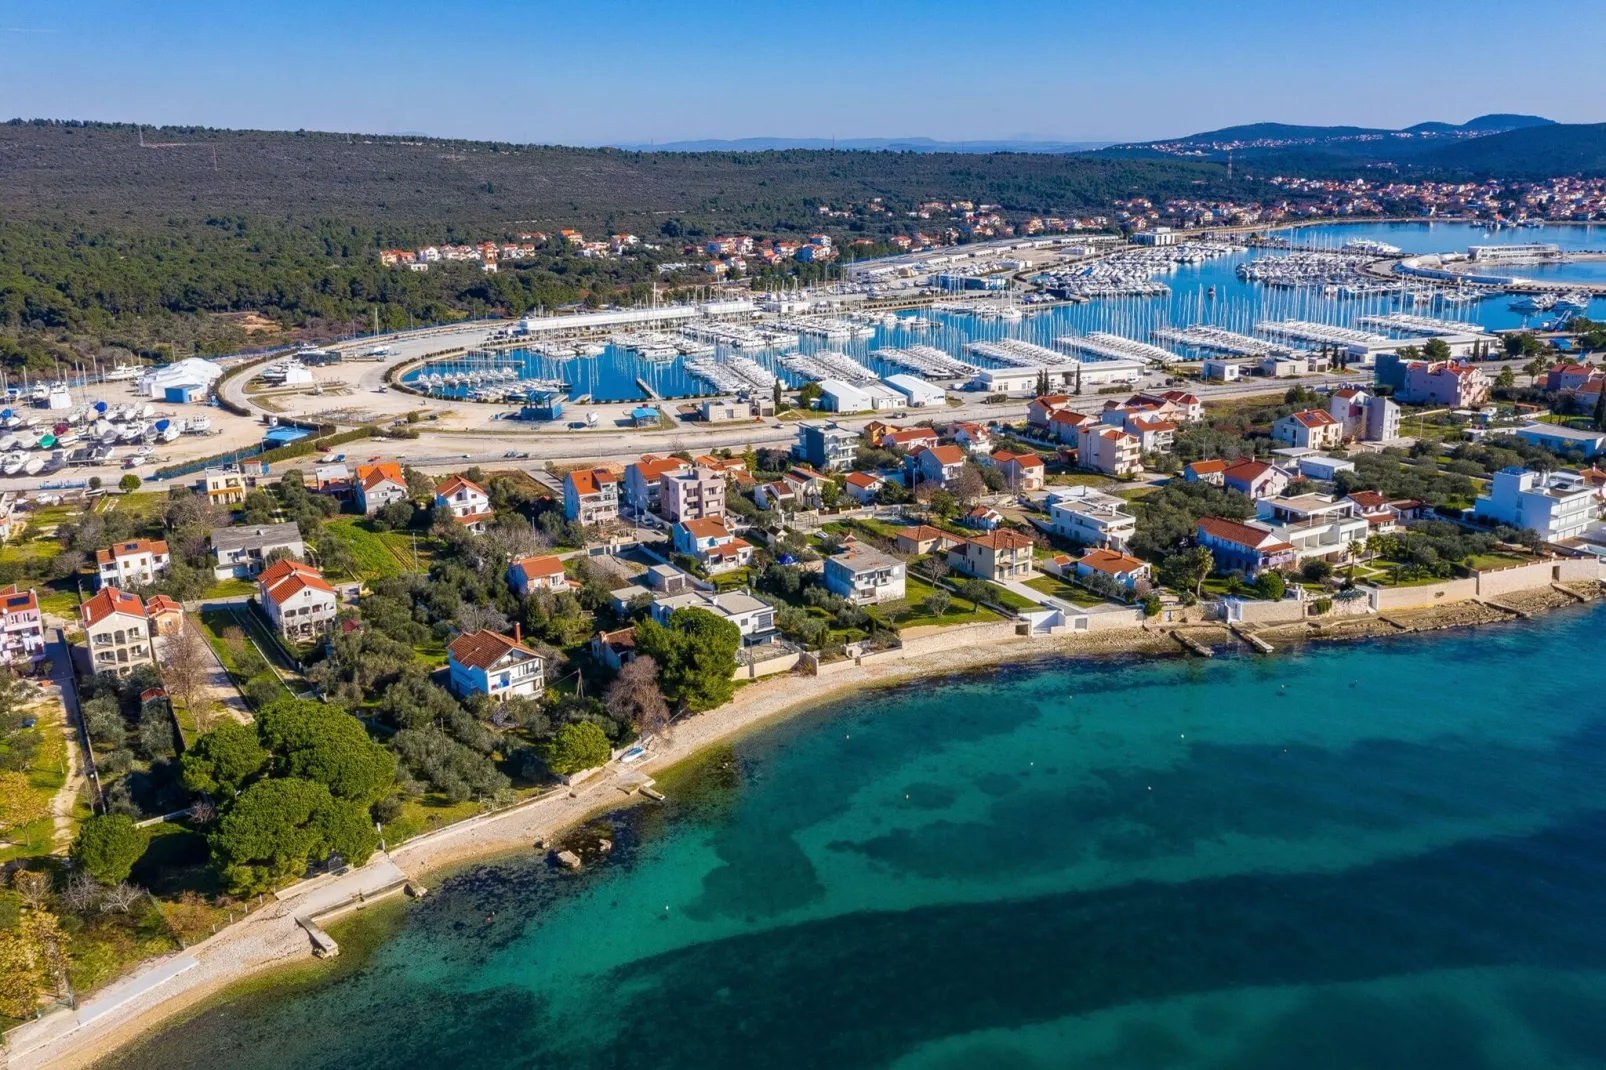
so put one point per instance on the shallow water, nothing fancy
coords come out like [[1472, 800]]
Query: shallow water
[[1380, 854]]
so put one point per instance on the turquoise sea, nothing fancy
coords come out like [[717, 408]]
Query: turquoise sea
[[1381, 854]]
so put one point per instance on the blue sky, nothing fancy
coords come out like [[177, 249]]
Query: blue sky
[[619, 71]]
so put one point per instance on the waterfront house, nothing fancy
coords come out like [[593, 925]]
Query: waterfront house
[[864, 575], [712, 544], [466, 500], [22, 634], [754, 619], [297, 600], [485, 663], [541, 573], [116, 631], [241, 552], [379, 485], [591, 495], [1122, 568], [1557, 505], [614, 648], [997, 555], [1315, 525], [1245, 547], [1090, 517], [131, 564]]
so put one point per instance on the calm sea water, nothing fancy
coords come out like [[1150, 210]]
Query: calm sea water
[[1377, 855], [1237, 305]]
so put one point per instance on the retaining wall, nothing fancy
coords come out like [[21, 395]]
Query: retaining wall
[[1388, 599], [1495, 582]]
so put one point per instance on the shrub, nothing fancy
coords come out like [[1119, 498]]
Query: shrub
[[107, 847]]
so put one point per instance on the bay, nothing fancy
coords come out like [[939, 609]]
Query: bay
[[1379, 854]]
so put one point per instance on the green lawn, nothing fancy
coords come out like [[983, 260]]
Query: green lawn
[[425, 815], [1498, 560], [214, 622], [60, 601], [1053, 585], [233, 587], [403, 545], [910, 612], [375, 557], [1010, 600]]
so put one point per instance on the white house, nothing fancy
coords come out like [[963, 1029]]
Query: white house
[[131, 564], [485, 663], [466, 500], [117, 632], [22, 635], [1312, 429], [1091, 517], [863, 487], [591, 495], [712, 544], [242, 551], [1560, 505], [379, 485], [1122, 568], [297, 600], [753, 618], [864, 575]]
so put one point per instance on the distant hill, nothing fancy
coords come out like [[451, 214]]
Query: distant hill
[[1534, 151], [1345, 146], [882, 144]]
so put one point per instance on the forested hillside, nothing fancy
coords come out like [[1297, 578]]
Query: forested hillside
[[210, 240]]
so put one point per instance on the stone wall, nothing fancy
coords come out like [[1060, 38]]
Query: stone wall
[[1388, 599], [1492, 583]]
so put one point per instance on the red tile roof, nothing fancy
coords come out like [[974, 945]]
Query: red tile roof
[[863, 480], [1024, 460], [1368, 499], [543, 565], [1110, 562], [1241, 534], [481, 650], [1204, 468], [451, 484], [1003, 539], [283, 569], [14, 599], [1315, 418], [129, 549], [708, 527], [370, 476], [1247, 471], [947, 455], [284, 590], [162, 604], [109, 600], [651, 467]]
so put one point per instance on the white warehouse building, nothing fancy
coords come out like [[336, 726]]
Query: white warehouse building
[[919, 392], [192, 372], [837, 396]]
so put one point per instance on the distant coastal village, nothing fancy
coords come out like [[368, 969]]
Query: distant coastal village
[[1561, 199]]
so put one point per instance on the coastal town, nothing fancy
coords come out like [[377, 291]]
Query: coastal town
[[322, 640]]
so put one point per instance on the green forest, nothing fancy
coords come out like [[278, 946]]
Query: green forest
[[117, 241]]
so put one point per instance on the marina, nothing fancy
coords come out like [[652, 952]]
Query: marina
[[1105, 346], [927, 361], [829, 364]]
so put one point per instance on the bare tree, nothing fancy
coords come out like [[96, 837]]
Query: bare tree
[[32, 887], [936, 566], [636, 697], [186, 667], [120, 898], [202, 811], [968, 486], [474, 617], [82, 893]]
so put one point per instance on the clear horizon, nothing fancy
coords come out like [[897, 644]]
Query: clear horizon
[[632, 72]]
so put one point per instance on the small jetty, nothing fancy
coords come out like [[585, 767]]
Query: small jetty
[[647, 389], [652, 793], [1520, 614], [1569, 592], [1255, 641], [1192, 645], [323, 945]]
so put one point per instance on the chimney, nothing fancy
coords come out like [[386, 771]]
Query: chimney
[[518, 632]]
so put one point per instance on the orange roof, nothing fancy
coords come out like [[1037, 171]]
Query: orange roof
[[651, 467], [1003, 539], [370, 476], [1153, 425], [109, 600], [1204, 468], [863, 479], [925, 532], [1180, 397], [1066, 416], [162, 604], [451, 484], [283, 569], [14, 599], [589, 480], [947, 455], [1111, 562], [1242, 534], [481, 650], [544, 565], [906, 435], [1024, 460], [708, 527], [1314, 418], [128, 549], [1248, 470], [1368, 499], [287, 589], [1048, 400], [729, 549]]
